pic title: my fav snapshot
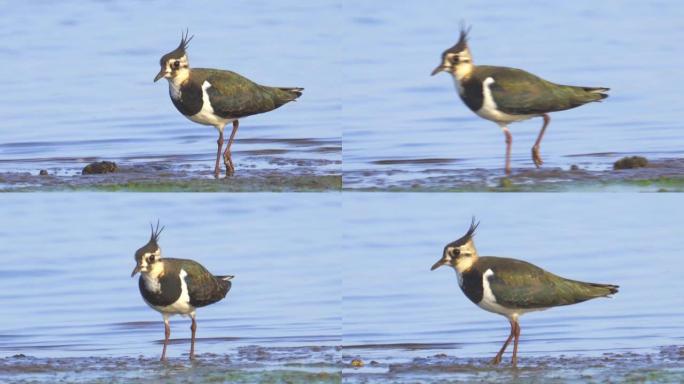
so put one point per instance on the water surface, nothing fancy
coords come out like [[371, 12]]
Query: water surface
[[408, 323], [66, 261], [405, 125], [80, 85]]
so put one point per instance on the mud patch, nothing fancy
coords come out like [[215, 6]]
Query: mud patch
[[659, 176], [293, 175], [663, 366], [250, 364]]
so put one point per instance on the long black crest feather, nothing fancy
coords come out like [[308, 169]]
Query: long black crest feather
[[185, 41], [156, 231]]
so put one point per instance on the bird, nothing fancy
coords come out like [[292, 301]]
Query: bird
[[217, 97], [176, 286], [505, 95], [511, 287]]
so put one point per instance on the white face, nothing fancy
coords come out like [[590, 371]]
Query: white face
[[149, 260], [462, 257], [176, 68]]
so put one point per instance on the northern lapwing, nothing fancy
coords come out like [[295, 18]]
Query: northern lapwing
[[176, 286], [216, 97], [506, 95], [512, 287]]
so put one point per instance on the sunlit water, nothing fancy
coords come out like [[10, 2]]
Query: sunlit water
[[396, 309], [66, 290], [78, 82], [398, 119]]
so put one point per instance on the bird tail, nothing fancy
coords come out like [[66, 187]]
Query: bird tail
[[226, 277], [599, 92], [600, 290], [293, 92]]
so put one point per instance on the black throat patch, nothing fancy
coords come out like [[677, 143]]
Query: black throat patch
[[190, 101], [472, 285], [170, 290], [473, 95]]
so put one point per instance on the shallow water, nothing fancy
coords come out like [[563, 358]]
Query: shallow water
[[396, 310], [66, 262], [400, 121], [81, 85]]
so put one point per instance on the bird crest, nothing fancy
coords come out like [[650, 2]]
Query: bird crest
[[468, 235], [462, 43], [156, 231]]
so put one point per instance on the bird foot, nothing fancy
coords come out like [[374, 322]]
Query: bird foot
[[496, 360], [536, 157], [228, 161]]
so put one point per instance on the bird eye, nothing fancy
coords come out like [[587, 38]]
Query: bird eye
[[176, 64], [455, 252], [151, 258]]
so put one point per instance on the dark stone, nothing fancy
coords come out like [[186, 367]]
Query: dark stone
[[574, 167], [99, 167], [631, 162], [43, 172]]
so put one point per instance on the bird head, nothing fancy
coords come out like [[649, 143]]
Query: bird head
[[149, 254], [460, 254], [457, 60], [174, 65]]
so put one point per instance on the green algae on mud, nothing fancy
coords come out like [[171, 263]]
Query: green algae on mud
[[173, 181], [251, 364], [658, 176], [663, 366]]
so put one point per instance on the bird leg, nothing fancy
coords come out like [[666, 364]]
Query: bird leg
[[509, 142], [536, 157], [217, 168], [497, 358], [167, 334], [227, 159], [515, 344], [193, 328]]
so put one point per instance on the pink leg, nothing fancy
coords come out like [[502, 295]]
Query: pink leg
[[167, 334], [515, 344], [193, 328], [227, 159], [509, 142], [536, 157], [217, 167], [497, 358]]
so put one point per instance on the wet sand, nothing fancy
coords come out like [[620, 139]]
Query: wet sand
[[663, 366], [250, 364], [283, 174], [253, 364], [665, 175]]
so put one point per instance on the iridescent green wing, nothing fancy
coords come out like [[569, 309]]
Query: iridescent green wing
[[519, 92], [518, 284], [235, 96]]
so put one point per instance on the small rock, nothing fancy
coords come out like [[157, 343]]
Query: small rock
[[43, 172], [631, 162], [574, 167], [357, 363], [19, 356], [99, 167]]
